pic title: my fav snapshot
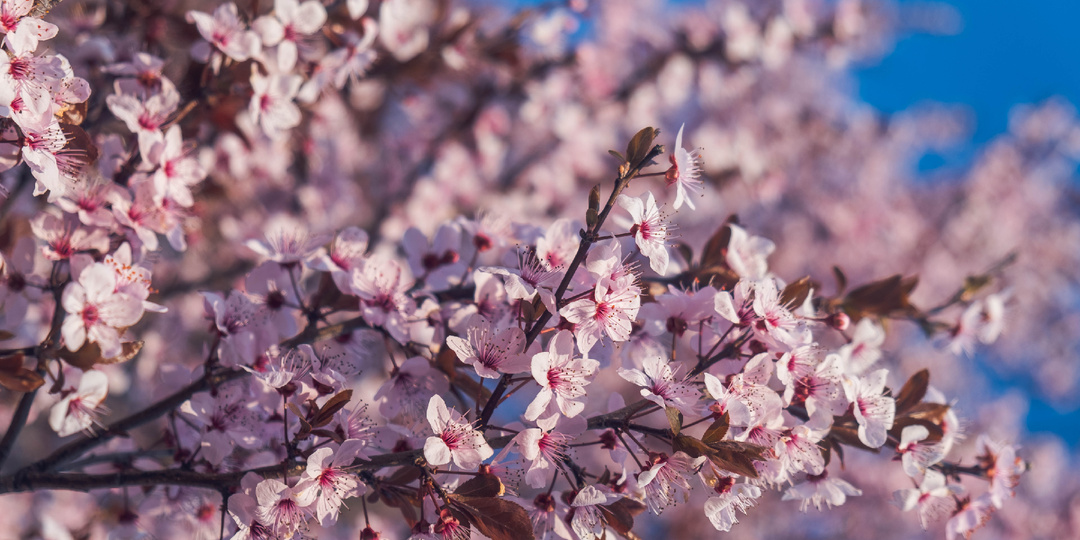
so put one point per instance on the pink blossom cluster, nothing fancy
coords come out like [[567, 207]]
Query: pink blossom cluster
[[390, 302]]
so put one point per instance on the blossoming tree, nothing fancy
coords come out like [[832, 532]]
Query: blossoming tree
[[329, 269]]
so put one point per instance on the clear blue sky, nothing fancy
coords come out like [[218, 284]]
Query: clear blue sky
[[1008, 52]]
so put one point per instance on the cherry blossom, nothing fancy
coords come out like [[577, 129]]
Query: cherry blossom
[[80, 408], [455, 438], [491, 353], [586, 522], [562, 378], [282, 508], [272, 103], [326, 476], [933, 498], [23, 31], [664, 474], [291, 22], [732, 497], [916, 454], [98, 313], [685, 173], [821, 488], [874, 411], [660, 386], [225, 32]]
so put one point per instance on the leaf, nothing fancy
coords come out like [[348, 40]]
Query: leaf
[[84, 358], [733, 456], [127, 352], [620, 514], [640, 145], [713, 252], [796, 292], [305, 426], [332, 406], [481, 485], [617, 155], [685, 251], [594, 198], [912, 392], [932, 412], [936, 433], [16, 378], [717, 430], [737, 457], [592, 217], [674, 418], [841, 280], [884, 298], [5, 335], [498, 519], [849, 435]]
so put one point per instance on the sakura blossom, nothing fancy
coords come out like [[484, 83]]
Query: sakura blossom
[[419, 269], [455, 439], [562, 378], [934, 499], [491, 352], [660, 386], [81, 408], [98, 313], [684, 173]]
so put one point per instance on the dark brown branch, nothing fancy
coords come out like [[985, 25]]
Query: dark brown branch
[[583, 250], [80, 446]]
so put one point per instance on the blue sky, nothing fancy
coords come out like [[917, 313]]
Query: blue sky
[[1007, 53]]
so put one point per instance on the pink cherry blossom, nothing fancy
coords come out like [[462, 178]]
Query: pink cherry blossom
[[610, 312], [721, 510], [873, 411], [97, 313], [326, 477], [282, 508], [934, 498], [80, 408], [272, 104], [291, 22], [455, 438], [491, 353], [685, 173], [225, 32], [562, 378], [660, 386], [23, 32], [587, 523], [916, 453], [819, 489], [650, 230], [664, 475]]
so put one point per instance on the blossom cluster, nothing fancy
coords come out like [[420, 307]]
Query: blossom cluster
[[563, 363]]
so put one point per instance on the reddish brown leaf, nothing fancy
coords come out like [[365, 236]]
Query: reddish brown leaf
[[15, 377], [498, 519], [481, 485], [796, 292], [883, 298], [639, 146], [620, 514], [912, 392], [331, 407], [674, 418], [717, 430]]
